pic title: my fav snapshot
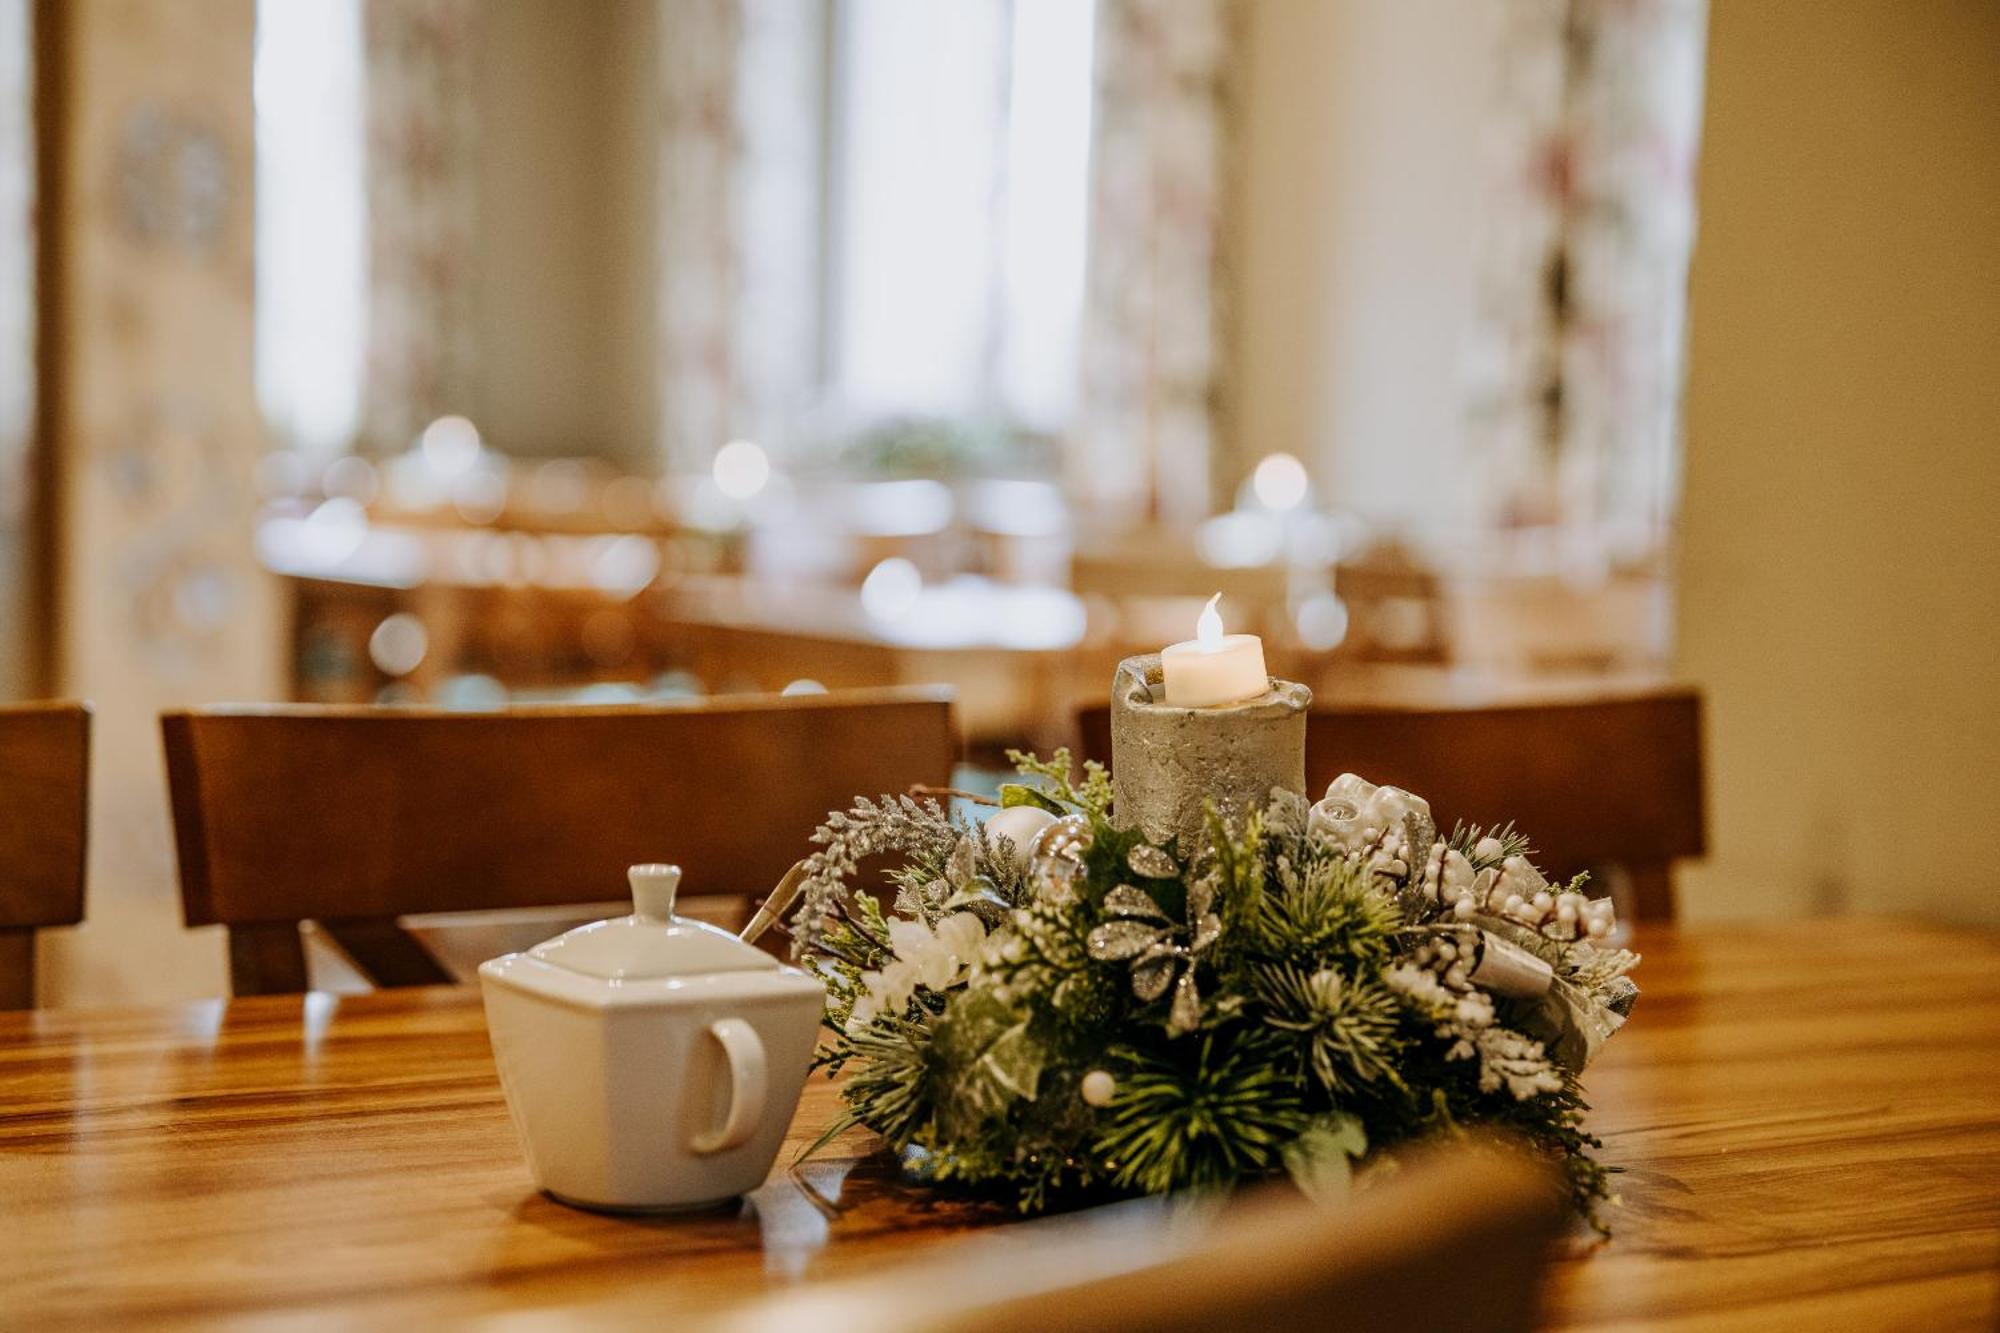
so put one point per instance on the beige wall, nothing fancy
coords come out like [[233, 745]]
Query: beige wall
[[564, 327], [1353, 244], [1840, 581]]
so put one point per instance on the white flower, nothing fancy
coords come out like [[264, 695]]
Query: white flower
[[935, 961]]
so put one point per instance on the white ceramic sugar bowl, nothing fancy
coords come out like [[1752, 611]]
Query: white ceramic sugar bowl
[[650, 1061]]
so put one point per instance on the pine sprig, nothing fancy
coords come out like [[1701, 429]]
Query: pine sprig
[[1199, 1119], [1348, 1025]]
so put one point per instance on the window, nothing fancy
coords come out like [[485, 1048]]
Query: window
[[958, 207], [311, 221]]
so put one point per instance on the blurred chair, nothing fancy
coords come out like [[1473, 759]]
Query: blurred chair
[[354, 817], [1395, 602], [44, 826], [1458, 1240], [1606, 785], [1148, 588]]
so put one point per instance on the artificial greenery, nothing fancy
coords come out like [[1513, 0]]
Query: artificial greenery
[[1293, 997]]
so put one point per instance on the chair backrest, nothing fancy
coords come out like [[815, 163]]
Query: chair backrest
[[1614, 782], [1457, 1241], [44, 832], [352, 817]]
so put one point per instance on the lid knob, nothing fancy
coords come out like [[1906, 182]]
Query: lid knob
[[653, 889]]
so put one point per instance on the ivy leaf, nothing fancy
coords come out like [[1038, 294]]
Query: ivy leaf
[[1020, 793], [1321, 1159]]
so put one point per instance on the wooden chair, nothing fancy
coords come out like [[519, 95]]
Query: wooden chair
[[353, 817], [1600, 784], [1457, 1241], [44, 827]]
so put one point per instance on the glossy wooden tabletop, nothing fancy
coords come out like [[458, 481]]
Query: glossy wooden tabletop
[[1809, 1114]]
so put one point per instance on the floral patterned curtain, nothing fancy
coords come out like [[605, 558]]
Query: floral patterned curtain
[[422, 201], [17, 339], [1144, 446], [740, 171], [700, 251], [1575, 404]]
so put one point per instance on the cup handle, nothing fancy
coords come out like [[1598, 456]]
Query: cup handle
[[749, 1084]]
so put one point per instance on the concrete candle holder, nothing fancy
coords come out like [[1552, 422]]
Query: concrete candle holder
[[1167, 763]]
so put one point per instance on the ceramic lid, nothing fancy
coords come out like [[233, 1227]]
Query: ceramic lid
[[652, 942]]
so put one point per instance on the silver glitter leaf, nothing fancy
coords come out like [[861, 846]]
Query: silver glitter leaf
[[1152, 974], [1200, 898], [1149, 861], [980, 898], [962, 866], [1131, 902], [1120, 939], [1185, 1016], [1205, 932]]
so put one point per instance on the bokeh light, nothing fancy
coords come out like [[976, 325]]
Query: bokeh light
[[891, 589], [450, 446], [1280, 482], [742, 469], [398, 645], [1322, 622]]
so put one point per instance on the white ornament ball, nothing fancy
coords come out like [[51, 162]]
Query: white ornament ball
[[1018, 824], [1099, 1088]]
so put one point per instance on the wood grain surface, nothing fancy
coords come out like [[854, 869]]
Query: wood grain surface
[[1809, 1115]]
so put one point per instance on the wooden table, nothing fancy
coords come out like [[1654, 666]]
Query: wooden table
[[1809, 1114]]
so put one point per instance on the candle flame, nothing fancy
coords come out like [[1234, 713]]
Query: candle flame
[[1208, 629]]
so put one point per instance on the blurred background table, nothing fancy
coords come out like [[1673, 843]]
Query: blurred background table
[[623, 591]]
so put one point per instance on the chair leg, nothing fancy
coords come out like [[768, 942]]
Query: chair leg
[[1652, 893], [17, 968], [386, 953], [266, 958]]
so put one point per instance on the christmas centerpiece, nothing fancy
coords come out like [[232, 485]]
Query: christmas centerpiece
[[1183, 974]]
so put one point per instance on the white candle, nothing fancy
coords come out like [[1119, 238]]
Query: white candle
[[1214, 668]]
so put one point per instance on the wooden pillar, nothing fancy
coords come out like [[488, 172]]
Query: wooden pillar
[[149, 427]]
